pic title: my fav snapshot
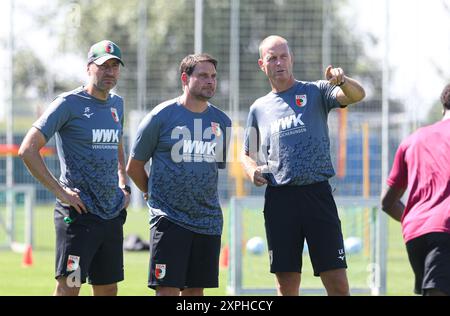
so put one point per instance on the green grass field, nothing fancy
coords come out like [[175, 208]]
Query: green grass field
[[38, 279]]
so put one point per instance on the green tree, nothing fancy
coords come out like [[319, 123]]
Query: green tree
[[170, 36], [29, 76]]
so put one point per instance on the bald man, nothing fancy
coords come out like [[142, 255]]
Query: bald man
[[287, 148]]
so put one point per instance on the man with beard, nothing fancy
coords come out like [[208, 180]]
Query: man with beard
[[91, 193], [186, 138]]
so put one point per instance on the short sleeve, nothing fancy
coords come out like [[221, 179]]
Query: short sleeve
[[329, 95], [54, 118], [122, 119], [226, 143], [398, 176], [146, 138], [251, 138]]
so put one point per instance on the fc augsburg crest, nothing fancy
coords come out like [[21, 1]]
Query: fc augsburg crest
[[160, 271], [115, 115], [216, 129], [109, 48], [301, 100]]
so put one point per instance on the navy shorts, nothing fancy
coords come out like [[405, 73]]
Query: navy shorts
[[181, 258], [429, 256], [295, 213], [89, 247]]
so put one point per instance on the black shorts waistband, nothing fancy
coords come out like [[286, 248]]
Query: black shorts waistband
[[312, 186]]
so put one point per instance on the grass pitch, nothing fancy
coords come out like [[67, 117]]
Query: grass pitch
[[39, 278]]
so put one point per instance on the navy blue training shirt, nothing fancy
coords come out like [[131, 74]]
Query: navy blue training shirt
[[186, 149], [88, 132], [289, 132]]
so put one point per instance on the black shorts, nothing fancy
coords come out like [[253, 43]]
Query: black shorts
[[293, 213], [89, 246], [429, 256], [181, 258]]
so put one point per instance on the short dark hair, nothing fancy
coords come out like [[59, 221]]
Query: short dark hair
[[445, 97], [189, 62]]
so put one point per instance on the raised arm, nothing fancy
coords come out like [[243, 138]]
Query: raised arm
[[351, 91]]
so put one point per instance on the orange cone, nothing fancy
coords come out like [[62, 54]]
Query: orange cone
[[224, 256], [28, 257]]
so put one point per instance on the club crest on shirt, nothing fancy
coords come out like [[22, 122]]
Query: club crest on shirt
[[301, 100], [115, 115], [160, 271], [216, 129]]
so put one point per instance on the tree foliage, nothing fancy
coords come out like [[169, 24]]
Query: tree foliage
[[170, 36]]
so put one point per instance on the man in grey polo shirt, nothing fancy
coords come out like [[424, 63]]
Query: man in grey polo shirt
[[91, 193], [287, 147], [186, 139]]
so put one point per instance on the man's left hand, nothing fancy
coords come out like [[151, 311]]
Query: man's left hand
[[335, 76]]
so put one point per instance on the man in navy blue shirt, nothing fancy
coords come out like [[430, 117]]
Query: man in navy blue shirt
[[186, 140], [91, 193], [287, 147]]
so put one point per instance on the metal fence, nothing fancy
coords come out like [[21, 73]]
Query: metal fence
[[319, 33]]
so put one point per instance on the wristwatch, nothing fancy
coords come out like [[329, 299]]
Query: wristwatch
[[126, 188]]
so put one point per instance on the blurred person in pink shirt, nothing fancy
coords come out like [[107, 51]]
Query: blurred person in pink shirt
[[422, 167]]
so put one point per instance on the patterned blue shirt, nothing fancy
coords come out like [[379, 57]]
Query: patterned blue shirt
[[87, 133], [290, 133], [186, 149]]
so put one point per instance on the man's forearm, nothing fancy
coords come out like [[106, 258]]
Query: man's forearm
[[396, 211], [121, 166], [36, 166], [352, 90], [137, 173], [249, 166], [140, 180], [391, 202]]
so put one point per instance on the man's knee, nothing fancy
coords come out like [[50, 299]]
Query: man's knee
[[433, 292], [167, 291], [105, 290], [336, 282], [339, 288], [63, 288], [288, 283], [192, 292]]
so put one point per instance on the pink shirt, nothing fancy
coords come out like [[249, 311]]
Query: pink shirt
[[422, 165]]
